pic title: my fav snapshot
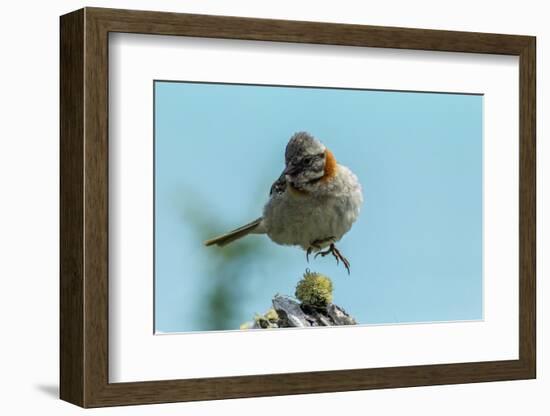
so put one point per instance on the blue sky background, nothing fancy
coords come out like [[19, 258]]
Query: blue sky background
[[416, 249]]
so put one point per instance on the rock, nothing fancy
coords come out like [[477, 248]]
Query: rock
[[339, 316], [292, 314], [313, 307]]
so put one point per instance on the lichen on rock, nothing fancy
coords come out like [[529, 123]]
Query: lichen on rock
[[314, 289], [313, 307], [268, 320]]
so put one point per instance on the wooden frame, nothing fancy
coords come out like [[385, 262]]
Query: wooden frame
[[84, 207]]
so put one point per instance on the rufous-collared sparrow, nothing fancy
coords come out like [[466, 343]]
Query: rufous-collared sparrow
[[313, 204]]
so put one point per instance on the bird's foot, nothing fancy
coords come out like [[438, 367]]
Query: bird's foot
[[317, 245], [337, 255]]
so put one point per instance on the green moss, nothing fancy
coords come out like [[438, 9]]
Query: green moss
[[268, 320], [271, 315], [314, 289]]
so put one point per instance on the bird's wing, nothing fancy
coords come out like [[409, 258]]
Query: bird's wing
[[279, 185]]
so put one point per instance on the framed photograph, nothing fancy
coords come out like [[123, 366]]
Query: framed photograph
[[255, 207]]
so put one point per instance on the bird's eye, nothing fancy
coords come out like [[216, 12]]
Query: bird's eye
[[308, 160]]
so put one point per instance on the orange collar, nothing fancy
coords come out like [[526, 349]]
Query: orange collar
[[330, 166]]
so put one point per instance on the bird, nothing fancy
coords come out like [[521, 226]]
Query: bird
[[312, 204]]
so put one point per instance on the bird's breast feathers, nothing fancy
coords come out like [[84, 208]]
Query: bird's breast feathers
[[327, 210]]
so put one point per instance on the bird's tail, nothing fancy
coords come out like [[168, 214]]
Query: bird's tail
[[237, 233]]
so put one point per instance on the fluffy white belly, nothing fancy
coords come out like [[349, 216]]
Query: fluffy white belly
[[294, 218]]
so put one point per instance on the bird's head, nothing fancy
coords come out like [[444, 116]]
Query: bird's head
[[307, 160]]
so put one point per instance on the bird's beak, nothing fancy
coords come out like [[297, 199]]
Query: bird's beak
[[291, 169]]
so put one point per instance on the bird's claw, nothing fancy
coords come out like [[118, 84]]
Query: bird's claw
[[337, 255], [322, 253]]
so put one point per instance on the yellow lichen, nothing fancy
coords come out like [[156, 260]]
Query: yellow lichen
[[268, 320], [314, 289], [271, 315]]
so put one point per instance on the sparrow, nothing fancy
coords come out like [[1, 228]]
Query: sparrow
[[312, 204]]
